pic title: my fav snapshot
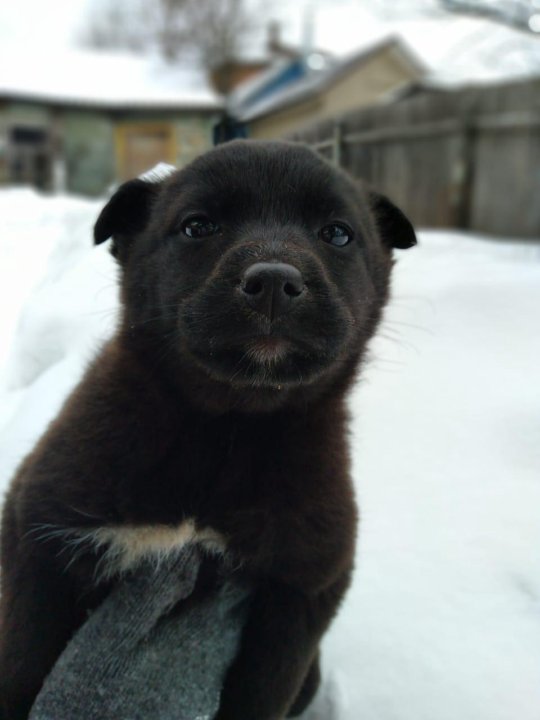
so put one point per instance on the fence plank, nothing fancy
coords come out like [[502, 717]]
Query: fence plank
[[467, 158]]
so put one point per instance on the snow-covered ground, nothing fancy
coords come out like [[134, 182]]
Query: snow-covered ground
[[443, 620]]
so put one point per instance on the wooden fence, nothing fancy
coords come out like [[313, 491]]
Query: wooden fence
[[467, 158]]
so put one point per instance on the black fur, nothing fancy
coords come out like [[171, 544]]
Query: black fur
[[202, 407]]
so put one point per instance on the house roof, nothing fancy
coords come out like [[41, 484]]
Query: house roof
[[104, 80], [316, 82], [271, 83], [250, 87]]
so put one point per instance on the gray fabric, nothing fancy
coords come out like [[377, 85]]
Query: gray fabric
[[131, 661]]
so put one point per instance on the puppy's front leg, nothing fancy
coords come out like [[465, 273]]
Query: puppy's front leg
[[279, 644], [37, 618], [38, 613]]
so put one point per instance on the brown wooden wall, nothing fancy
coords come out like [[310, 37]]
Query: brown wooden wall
[[466, 158]]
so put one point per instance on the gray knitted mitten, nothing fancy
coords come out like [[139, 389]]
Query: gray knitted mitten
[[130, 661]]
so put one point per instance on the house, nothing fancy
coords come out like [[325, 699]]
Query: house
[[288, 96], [274, 79], [79, 121], [284, 66], [261, 64]]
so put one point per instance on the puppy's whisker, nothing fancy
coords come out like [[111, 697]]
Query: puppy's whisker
[[412, 326], [397, 338], [243, 358], [155, 318], [85, 513], [103, 311], [169, 344]]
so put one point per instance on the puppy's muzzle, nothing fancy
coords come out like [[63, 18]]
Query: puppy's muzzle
[[272, 288]]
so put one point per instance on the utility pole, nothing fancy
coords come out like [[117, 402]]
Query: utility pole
[[308, 39]]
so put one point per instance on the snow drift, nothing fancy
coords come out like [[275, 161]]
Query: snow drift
[[443, 619]]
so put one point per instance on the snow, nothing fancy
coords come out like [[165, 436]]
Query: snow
[[443, 619], [454, 48], [59, 299], [104, 79]]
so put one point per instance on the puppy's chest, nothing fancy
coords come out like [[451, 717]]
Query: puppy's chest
[[224, 485], [121, 548]]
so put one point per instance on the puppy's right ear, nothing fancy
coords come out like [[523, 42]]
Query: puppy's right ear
[[125, 215], [396, 229]]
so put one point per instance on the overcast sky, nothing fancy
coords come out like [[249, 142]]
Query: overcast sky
[[39, 23], [457, 47], [47, 23]]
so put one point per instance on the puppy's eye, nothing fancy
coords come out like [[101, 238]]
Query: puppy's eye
[[336, 234], [199, 226]]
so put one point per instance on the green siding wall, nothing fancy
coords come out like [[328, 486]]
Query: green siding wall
[[88, 150], [26, 114], [14, 113], [86, 138]]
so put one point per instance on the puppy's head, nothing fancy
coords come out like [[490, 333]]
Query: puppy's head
[[258, 268]]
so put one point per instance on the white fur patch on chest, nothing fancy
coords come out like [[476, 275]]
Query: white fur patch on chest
[[127, 546]]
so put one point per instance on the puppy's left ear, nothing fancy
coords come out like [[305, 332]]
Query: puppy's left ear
[[125, 215], [395, 228]]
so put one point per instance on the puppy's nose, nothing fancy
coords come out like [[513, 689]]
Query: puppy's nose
[[272, 288]]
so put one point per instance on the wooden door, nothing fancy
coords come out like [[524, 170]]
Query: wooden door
[[140, 146]]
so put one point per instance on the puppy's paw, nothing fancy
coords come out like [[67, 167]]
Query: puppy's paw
[[307, 692], [330, 703]]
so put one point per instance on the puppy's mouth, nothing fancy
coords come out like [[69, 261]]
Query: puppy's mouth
[[271, 361], [267, 350]]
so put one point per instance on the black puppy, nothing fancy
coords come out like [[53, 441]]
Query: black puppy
[[251, 282]]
